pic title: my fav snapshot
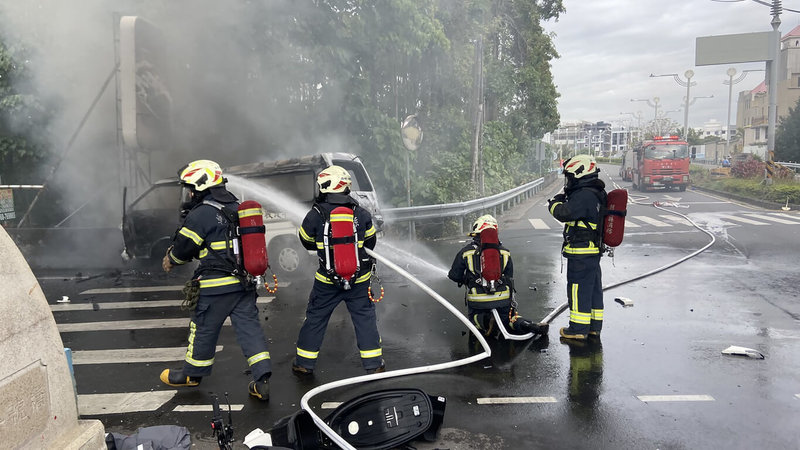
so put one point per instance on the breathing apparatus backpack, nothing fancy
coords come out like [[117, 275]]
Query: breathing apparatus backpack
[[248, 249], [490, 260], [340, 246]]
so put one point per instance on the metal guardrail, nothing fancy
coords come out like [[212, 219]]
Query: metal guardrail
[[499, 201]]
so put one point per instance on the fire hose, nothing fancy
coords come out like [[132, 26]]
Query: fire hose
[[400, 372], [560, 308]]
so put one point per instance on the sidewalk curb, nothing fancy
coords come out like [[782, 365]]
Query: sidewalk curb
[[750, 201]]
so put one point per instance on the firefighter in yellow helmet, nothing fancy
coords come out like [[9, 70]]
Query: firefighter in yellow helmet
[[329, 288], [483, 295], [219, 288], [579, 209]]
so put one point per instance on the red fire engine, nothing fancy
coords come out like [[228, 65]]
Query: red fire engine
[[661, 162]]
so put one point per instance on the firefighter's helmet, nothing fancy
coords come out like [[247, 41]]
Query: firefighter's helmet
[[334, 180], [201, 175], [580, 166], [483, 222]]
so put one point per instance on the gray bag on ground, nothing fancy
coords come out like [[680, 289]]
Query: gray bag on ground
[[160, 437]]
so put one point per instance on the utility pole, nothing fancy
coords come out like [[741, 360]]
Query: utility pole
[[477, 120]]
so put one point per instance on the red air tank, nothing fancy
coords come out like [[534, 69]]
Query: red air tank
[[344, 243], [491, 264], [254, 243], [614, 221]]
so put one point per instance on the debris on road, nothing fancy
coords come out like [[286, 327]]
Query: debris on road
[[743, 351], [624, 301]]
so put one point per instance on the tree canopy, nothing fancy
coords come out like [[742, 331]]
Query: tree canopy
[[787, 136]]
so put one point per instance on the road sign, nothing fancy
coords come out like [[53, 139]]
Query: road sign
[[7, 205], [735, 48]]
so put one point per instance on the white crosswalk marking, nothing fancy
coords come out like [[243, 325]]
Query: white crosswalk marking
[[539, 224], [205, 408], [740, 219], [131, 290], [630, 224], [126, 325], [130, 355], [773, 219], [131, 305], [675, 398], [125, 402], [786, 215], [651, 221], [676, 219]]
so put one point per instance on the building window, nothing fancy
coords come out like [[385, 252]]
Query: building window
[[758, 134]]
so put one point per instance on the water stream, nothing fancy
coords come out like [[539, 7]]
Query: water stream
[[404, 254]]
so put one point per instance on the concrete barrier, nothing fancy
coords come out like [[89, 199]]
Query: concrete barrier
[[38, 408]]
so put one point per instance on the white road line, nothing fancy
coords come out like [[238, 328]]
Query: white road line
[[130, 355], [650, 221], [676, 219], [131, 290], [741, 219], [126, 402], [539, 224], [675, 398], [132, 305], [773, 219], [330, 405], [126, 325], [206, 408], [509, 400]]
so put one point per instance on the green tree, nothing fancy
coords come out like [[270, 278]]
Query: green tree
[[23, 118], [787, 136]]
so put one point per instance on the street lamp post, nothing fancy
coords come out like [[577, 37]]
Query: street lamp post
[[730, 82], [688, 84], [653, 104]]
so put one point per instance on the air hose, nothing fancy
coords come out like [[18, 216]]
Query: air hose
[[558, 310], [395, 373]]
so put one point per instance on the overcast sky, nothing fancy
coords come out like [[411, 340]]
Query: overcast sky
[[609, 48]]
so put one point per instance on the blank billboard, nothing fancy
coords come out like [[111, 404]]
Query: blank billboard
[[735, 48]]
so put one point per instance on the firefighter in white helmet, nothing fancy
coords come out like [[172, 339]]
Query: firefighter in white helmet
[[469, 268], [329, 289], [579, 209], [219, 288]]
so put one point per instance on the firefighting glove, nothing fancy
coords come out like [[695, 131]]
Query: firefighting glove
[[166, 263]]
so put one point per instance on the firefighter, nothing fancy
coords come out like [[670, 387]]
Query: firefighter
[[218, 288], [578, 207], [329, 289], [480, 299]]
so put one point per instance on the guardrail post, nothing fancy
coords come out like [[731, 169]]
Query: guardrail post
[[460, 224]]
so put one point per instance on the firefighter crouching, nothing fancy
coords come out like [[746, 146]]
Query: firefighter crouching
[[579, 208], [331, 285], [220, 286], [484, 295]]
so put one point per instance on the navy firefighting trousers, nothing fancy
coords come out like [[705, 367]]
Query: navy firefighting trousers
[[585, 294], [207, 320], [321, 302]]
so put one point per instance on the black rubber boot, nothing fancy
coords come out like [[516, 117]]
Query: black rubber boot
[[259, 389], [379, 369], [527, 326]]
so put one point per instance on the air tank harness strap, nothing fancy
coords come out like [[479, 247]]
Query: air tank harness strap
[[374, 277]]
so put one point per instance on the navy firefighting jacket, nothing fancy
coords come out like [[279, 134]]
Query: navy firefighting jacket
[[579, 210], [204, 236]]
